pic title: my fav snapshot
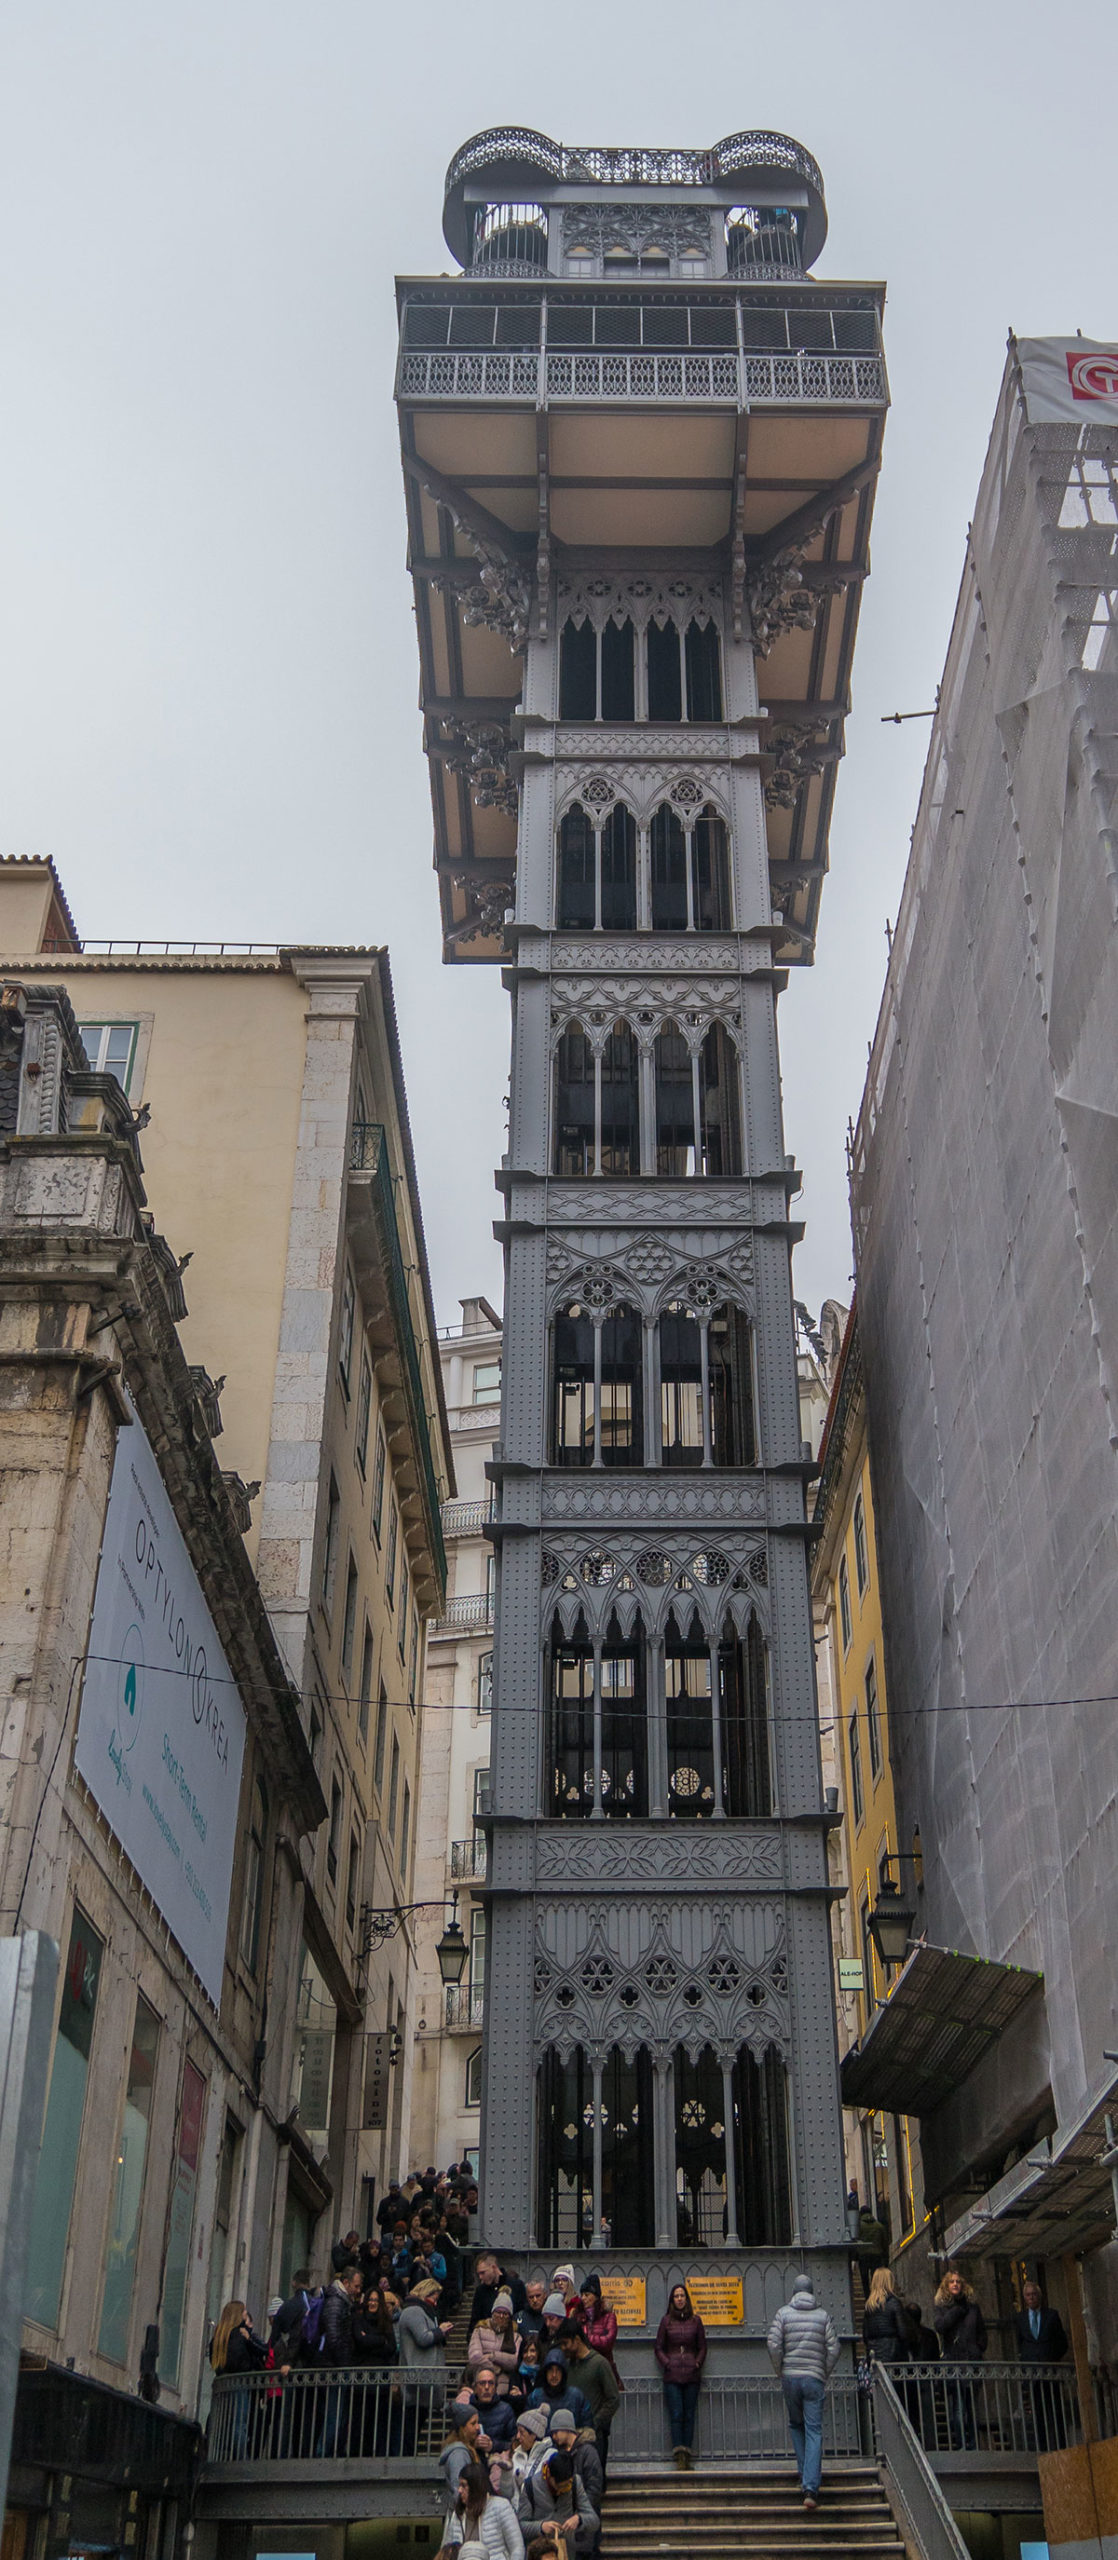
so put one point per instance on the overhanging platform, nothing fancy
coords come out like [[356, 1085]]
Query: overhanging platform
[[942, 2015], [1059, 2199]]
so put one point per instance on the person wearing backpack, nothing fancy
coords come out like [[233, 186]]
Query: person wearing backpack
[[288, 2337]]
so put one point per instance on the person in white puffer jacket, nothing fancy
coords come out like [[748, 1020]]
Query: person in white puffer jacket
[[481, 2517], [804, 2351]]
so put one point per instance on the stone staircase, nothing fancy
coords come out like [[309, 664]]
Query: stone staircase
[[727, 2509]]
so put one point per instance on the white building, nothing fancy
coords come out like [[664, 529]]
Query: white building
[[454, 1779]]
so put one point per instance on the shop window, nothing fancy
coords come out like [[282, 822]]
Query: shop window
[[128, 2188], [58, 2156]]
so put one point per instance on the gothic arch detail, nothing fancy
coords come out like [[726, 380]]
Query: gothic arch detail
[[662, 1975]]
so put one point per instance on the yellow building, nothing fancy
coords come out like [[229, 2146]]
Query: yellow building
[[881, 2156], [278, 1164]]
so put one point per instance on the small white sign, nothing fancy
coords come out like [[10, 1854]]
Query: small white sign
[[851, 1976], [161, 1732]]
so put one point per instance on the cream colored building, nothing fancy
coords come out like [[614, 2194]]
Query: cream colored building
[[279, 1165], [454, 1797]]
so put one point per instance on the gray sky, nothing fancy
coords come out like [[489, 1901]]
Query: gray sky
[[208, 674]]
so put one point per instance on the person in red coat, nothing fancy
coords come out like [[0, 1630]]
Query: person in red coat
[[681, 2353], [599, 2328]]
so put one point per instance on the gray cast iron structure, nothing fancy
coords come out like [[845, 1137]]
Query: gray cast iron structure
[[639, 445]]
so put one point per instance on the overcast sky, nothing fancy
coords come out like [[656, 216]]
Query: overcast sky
[[208, 674]]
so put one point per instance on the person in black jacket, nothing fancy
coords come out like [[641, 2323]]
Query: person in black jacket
[[962, 2336], [1041, 2339], [338, 2312], [491, 2280], [885, 2327]]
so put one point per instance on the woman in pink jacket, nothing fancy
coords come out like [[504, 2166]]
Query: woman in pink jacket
[[496, 2342]]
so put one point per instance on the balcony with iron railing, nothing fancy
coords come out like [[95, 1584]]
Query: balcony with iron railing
[[470, 1612], [467, 1519], [465, 2007], [467, 1861]]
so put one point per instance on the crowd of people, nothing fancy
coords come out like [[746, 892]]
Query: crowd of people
[[526, 2415]]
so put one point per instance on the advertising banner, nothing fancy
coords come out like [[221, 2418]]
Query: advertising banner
[[161, 1732], [1069, 380]]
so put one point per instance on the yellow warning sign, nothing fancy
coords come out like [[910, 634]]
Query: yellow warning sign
[[718, 2300]]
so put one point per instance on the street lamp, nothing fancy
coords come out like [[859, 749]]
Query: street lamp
[[378, 1926], [890, 1923]]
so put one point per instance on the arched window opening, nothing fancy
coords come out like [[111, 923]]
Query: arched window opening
[[665, 674], [598, 1394], [681, 1387], [576, 905], [598, 1749], [597, 671], [618, 859], [701, 2201], [619, 1147], [578, 671], [704, 671], [574, 1105], [618, 670], [573, 2202], [676, 1082], [732, 1427], [743, 1687], [692, 1771], [668, 872], [719, 1103], [710, 874], [761, 2167]]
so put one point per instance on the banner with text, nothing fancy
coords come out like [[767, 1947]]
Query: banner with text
[[1072, 379], [161, 1733]]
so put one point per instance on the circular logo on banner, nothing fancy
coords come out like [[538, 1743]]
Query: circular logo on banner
[[1095, 376]]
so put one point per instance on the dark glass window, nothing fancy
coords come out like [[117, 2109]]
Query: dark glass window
[[574, 1109], [729, 1350], [578, 671], [744, 1705], [702, 2221], [620, 1136], [719, 1103], [704, 672], [668, 872], [665, 686], [762, 2178], [573, 1424], [622, 1788], [621, 1434], [619, 870], [675, 1106], [576, 909], [568, 2211], [711, 874], [690, 1724], [628, 2187], [617, 671], [681, 1373]]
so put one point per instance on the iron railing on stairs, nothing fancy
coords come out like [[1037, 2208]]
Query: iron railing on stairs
[[911, 2485], [741, 2417]]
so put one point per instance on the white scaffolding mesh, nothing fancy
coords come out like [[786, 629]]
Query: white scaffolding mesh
[[985, 1200]]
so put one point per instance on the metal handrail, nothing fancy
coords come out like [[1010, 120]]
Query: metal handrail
[[464, 1519], [469, 1609], [911, 2485], [467, 1861], [741, 2416], [331, 2413], [464, 2008], [991, 2407]]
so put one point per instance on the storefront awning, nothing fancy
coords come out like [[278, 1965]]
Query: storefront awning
[[1059, 2198], [943, 2013]]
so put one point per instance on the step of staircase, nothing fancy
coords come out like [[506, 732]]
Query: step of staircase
[[721, 2509]]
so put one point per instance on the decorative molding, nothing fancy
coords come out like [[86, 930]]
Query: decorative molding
[[692, 1004], [480, 749], [645, 956], [597, 598], [684, 1203], [637, 743], [660, 1975], [678, 231], [601, 1500], [650, 1273], [798, 754], [643, 786], [633, 1581], [669, 1853]]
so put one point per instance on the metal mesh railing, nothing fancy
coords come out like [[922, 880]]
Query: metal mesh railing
[[989, 2408], [340, 2413], [930, 2528], [597, 375], [742, 2417]]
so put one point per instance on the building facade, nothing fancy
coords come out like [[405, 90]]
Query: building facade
[[454, 1783], [983, 1194], [639, 445], [278, 1161], [158, 1798], [846, 1587]]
